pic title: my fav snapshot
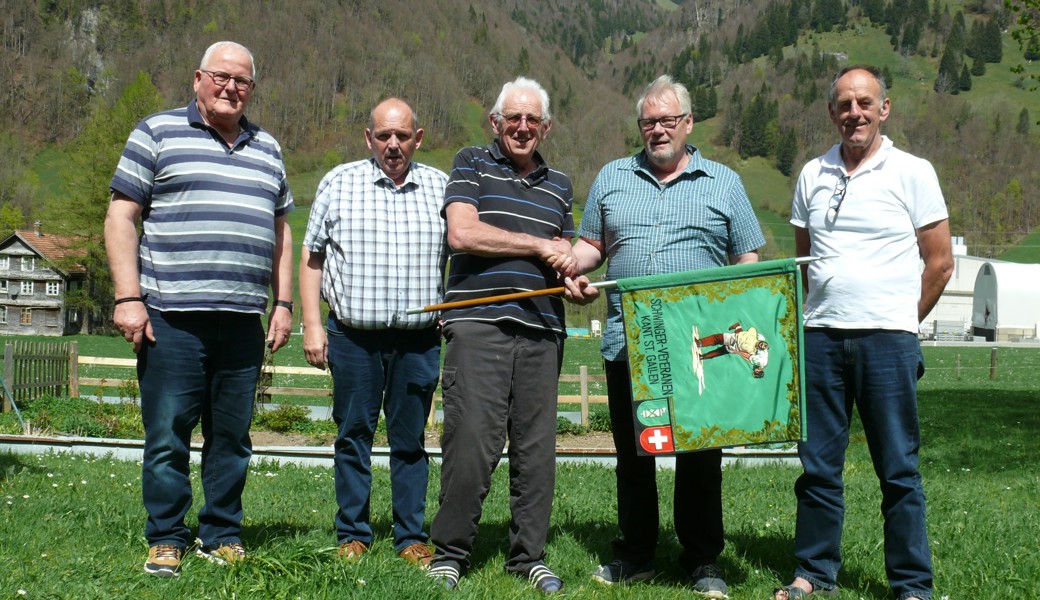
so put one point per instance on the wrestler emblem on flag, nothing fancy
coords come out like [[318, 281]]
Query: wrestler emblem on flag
[[740, 381]]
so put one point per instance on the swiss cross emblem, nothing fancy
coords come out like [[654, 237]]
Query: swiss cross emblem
[[656, 440]]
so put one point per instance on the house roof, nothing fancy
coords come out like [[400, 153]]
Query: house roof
[[56, 249]]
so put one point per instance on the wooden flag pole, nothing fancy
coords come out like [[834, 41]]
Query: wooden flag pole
[[603, 285]]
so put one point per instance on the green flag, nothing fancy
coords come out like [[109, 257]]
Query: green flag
[[715, 357]]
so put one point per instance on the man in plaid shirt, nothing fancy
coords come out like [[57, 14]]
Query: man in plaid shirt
[[375, 245]]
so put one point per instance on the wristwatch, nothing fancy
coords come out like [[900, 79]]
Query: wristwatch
[[284, 304]]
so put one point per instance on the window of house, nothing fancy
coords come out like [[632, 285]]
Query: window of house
[[26, 316], [3, 315], [73, 315], [28, 263], [53, 288], [27, 287], [3, 286], [5, 262]]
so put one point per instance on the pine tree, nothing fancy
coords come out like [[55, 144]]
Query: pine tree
[[786, 151], [992, 44], [978, 67], [1032, 51], [947, 79], [964, 82]]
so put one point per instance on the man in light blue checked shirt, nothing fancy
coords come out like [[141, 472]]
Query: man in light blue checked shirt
[[665, 210], [375, 246]]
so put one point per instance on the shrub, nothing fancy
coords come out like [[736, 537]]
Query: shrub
[[599, 419], [565, 425], [283, 419]]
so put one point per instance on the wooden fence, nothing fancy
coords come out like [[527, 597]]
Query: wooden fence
[[33, 369], [267, 390]]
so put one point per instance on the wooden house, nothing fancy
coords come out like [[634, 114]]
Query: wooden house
[[36, 272]]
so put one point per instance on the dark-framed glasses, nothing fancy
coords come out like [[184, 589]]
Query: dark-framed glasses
[[837, 197], [221, 79], [666, 122], [514, 119]]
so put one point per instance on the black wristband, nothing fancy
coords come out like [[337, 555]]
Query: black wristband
[[284, 304], [128, 299]]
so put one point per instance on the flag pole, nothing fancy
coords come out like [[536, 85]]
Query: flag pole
[[555, 291]]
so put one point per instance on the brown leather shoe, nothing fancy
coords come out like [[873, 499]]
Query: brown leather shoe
[[417, 554], [352, 551]]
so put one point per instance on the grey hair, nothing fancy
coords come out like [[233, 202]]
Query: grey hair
[[522, 83], [832, 95], [661, 86], [204, 63]]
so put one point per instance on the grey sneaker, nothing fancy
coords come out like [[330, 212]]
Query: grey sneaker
[[622, 571], [707, 581]]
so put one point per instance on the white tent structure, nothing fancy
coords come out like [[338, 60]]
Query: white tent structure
[[1006, 305]]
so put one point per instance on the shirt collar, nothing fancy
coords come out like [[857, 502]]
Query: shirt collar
[[540, 171], [832, 160], [195, 120], [381, 178], [697, 163]]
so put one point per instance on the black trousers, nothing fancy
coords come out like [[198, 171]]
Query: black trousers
[[698, 489], [499, 382]]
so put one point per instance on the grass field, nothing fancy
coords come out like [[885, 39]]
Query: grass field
[[72, 526]]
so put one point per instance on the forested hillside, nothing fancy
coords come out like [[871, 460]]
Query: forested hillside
[[75, 75]]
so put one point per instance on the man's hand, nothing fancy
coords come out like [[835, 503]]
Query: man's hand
[[558, 254], [316, 346], [580, 290], [132, 320], [278, 328]]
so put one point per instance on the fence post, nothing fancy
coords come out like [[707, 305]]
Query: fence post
[[8, 372], [74, 370], [993, 363], [958, 367], [584, 374]]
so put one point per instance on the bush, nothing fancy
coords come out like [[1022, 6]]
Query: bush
[[565, 426], [285, 418], [599, 419]]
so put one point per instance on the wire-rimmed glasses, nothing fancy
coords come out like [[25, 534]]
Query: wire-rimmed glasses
[[837, 197]]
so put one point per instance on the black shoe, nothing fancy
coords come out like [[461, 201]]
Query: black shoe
[[622, 571], [707, 581]]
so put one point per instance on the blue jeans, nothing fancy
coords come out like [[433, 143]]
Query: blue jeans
[[877, 371], [396, 370], [203, 365]]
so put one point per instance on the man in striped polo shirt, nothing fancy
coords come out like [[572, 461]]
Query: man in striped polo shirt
[[665, 210], [509, 217], [210, 192], [375, 247]]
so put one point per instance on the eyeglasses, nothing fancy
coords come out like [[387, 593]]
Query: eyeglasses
[[515, 119], [838, 197], [221, 79], [666, 122]]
